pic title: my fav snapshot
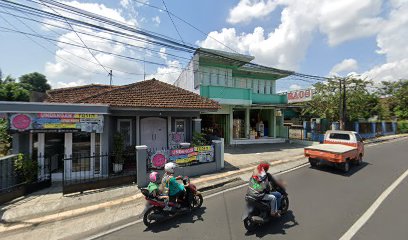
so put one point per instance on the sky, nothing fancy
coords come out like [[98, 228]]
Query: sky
[[318, 37]]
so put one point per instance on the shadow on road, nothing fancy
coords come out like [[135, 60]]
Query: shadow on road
[[176, 221], [353, 169], [276, 226]]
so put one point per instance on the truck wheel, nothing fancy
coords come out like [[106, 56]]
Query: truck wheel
[[345, 166], [359, 160], [313, 162]]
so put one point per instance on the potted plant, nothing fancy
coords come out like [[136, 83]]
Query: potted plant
[[118, 149]]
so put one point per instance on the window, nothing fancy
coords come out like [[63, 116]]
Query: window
[[359, 138], [125, 128], [81, 151], [180, 125], [340, 136]]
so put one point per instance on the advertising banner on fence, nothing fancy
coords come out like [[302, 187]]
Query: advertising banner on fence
[[303, 95], [183, 157], [56, 121]]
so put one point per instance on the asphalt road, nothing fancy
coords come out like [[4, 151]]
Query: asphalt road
[[324, 204]]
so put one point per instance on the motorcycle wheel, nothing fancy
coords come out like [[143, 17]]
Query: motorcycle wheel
[[284, 204], [250, 225], [197, 201], [147, 217]]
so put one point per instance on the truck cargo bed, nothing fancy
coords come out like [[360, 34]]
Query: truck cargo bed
[[334, 148]]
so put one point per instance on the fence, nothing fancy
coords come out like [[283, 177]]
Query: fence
[[315, 132], [192, 161], [33, 175], [83, 172]]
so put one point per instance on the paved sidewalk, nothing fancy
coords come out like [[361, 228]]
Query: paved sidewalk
[[49, 205]]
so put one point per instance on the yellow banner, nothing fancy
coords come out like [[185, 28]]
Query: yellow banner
[[59, 125], [202, 148], [84, 115], [186, 160]]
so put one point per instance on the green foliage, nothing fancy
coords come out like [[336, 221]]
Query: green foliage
[[118, 148], [360, 102], [12, 91], [26, 168], [402, 126], [35, 82], [198, 139], [5, 138], [396, 97]]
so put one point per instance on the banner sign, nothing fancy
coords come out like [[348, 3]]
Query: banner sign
[[56, 121], [183, 157], [175, 138], [300, 96]]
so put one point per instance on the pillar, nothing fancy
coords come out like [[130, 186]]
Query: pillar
[[304, 130], [141, 166], [219, 153], [197, 125], [137, 130], [231, 125], [394, 127], [357, 127], [374, 128], [383, 130], [247, 116], [274, 123]]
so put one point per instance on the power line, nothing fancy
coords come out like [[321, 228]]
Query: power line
[[109, 72], [175, 27]]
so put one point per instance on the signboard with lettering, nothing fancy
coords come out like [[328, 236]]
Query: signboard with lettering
[[300, 95], [56, 121]]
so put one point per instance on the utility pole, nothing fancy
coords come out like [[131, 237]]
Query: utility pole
[[110, 77], [144, 68], [342, 103]]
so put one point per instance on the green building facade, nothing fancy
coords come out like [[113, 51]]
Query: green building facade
[[252, 111]]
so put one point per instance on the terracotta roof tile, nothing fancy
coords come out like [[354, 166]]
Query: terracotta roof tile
[[149, 93], [75, 94]]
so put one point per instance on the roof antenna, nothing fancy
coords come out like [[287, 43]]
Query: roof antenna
[[110, 77]]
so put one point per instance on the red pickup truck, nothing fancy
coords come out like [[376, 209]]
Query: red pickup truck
[[340, 149]]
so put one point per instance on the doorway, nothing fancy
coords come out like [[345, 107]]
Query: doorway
[[153, 132]]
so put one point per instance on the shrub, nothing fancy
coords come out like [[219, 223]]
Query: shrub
[[26, 168], [198, 139], [402, 126]]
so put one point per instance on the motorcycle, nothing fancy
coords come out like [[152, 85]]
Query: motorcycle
[[258, 212], [155, 212]]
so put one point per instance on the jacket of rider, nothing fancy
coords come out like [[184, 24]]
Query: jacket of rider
[[257, 187]]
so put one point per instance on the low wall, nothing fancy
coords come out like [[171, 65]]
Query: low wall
[[303, 142], [191, 171]]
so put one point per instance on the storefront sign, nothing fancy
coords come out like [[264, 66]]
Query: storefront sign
[[300, 96], [47, 121]]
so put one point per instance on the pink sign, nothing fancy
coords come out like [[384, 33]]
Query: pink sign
[[158, 160], [181, 151], [21, 122]]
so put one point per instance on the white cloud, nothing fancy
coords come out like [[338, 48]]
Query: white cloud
[[156, 20], [83, 68], [287, 44], [345, 66], [295, 87], [124, 3], [168, 74], [162, 53], [391, 41], [246, 10]]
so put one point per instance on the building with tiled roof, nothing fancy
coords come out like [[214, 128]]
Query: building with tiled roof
[[83, 121], [145, 94]]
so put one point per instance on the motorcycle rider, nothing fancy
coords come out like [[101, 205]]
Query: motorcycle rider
[[260, 187], [174, 189]]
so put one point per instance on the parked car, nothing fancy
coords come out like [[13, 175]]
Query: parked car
[[340, 149]]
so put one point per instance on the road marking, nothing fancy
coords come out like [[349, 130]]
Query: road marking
[[206, 197], [371, 210]]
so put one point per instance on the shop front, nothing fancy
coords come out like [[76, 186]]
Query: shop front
[[62, 138]]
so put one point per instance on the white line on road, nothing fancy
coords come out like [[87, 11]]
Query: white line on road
[[371, 210], [206, 197]]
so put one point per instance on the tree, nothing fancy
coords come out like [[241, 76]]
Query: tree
[[361, 103], [13, 91], [35, 82], [396, 94]]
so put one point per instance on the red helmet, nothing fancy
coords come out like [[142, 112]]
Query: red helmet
[[264, 166]]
